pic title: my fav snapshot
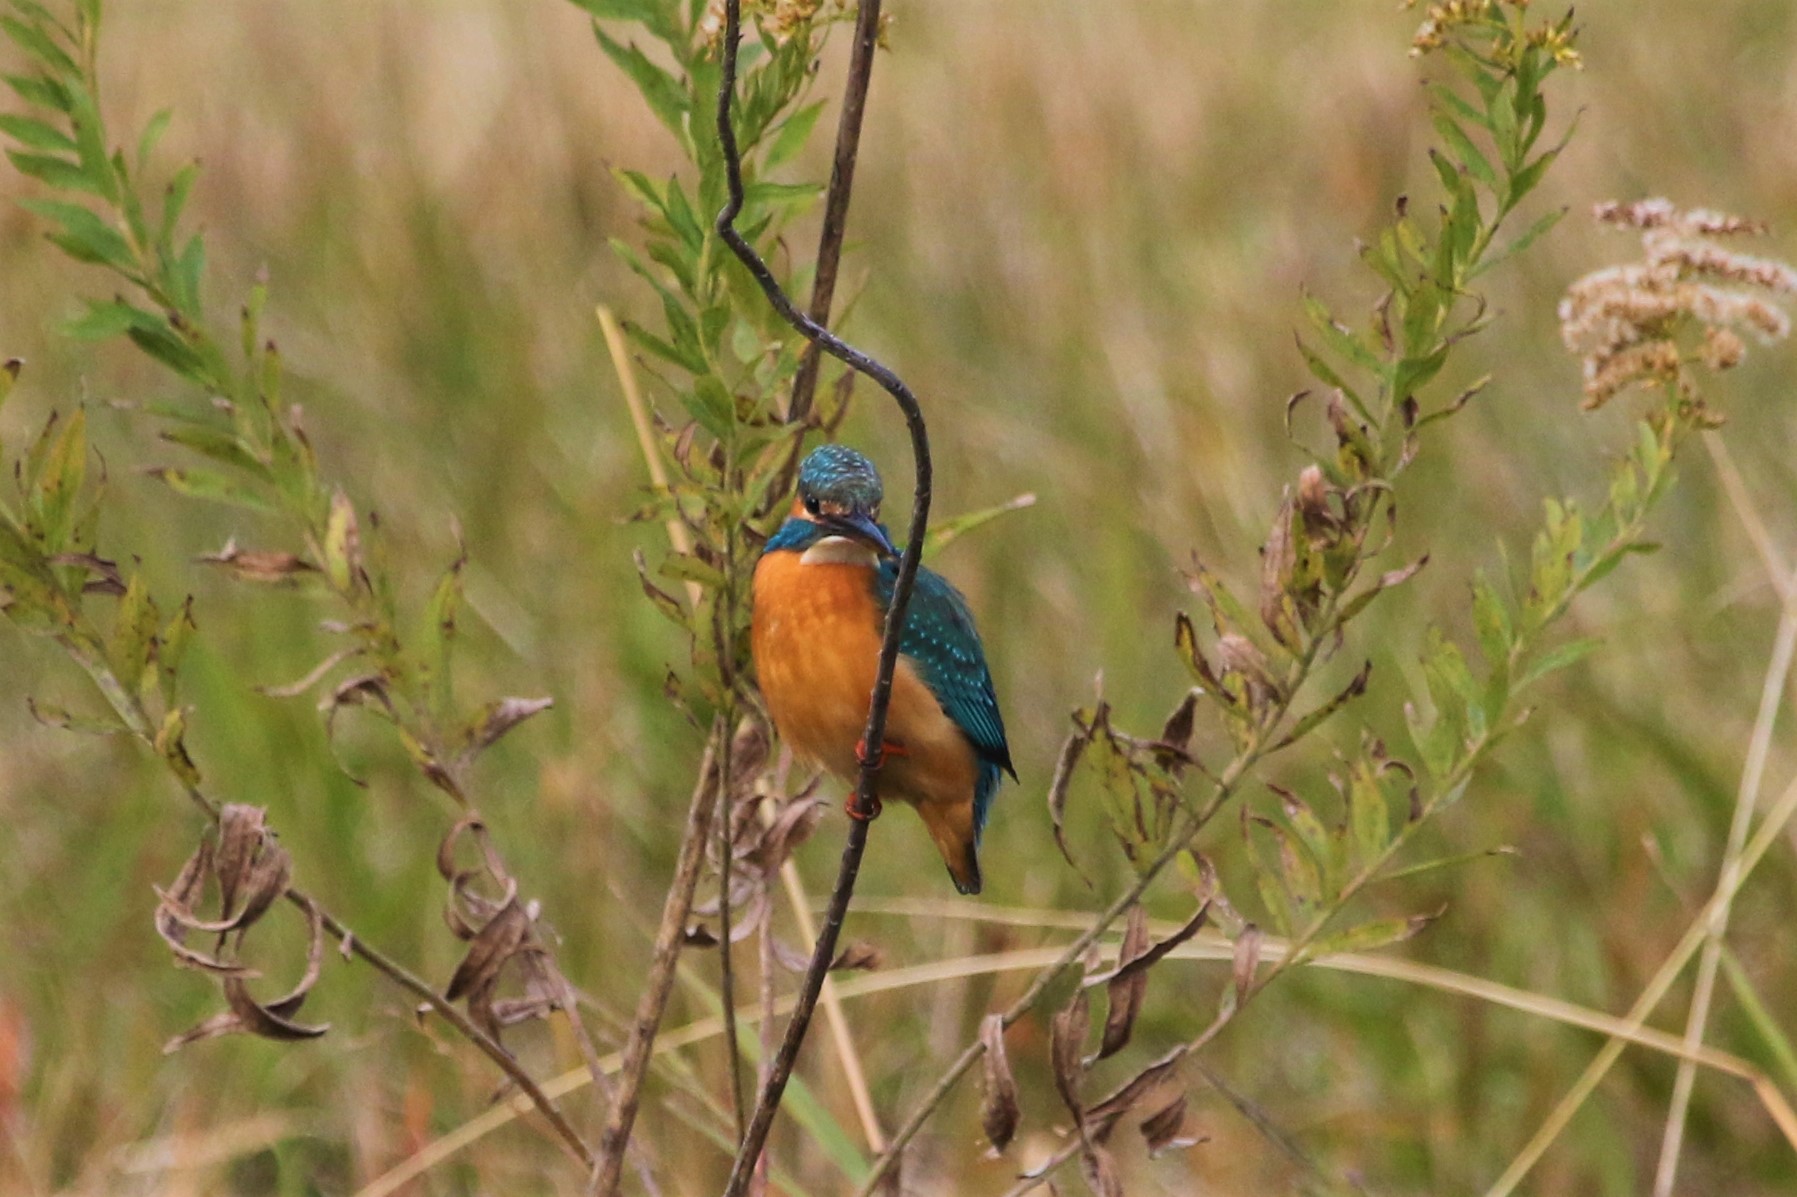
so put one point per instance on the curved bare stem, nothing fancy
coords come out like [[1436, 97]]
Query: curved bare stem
[[865, 791]]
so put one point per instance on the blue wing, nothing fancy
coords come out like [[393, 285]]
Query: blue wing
[[945, 649]]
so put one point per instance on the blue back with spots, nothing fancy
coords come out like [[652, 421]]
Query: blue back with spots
[[945, 648]]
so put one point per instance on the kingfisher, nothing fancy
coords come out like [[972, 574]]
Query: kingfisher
[[821, 590]]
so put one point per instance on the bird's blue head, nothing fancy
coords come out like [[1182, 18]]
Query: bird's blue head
[[839, 495]]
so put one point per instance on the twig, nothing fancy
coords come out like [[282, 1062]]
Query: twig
[[836, 203], [1772, 690], [875, 735], [130, 709], [678, 536], [421, 989], [726, 957], [608, 1166]]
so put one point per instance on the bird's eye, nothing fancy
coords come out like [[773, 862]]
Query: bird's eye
[[810, 504]]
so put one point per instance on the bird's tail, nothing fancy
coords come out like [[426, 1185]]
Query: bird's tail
[[952, 829]]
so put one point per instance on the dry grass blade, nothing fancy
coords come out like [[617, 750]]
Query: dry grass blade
[[1215, 950]]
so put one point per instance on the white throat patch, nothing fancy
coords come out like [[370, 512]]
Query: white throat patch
[[839, 550]]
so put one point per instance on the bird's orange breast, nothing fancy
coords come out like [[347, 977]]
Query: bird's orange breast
[[816, 639], [816, 643]]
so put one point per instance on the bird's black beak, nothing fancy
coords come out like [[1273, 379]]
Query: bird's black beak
[[863, 528]]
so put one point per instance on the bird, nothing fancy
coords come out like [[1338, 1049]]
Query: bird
[[819, 599]]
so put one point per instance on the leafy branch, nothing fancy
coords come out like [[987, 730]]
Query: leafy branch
[[260, 459], [1327, 532]]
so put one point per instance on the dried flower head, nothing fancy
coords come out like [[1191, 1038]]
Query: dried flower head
[[1626, 322], [1485, 20], [781, 20]]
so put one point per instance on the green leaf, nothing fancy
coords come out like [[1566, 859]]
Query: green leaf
[[41, 92], [1523, 240], [1434, 738], [1558, 658], [186, 276], [35, 134], [109, 319], [134, 625], [437, 639], [1337, 337], [35, 42], [85, 236], [1446, 862], [174, 202], [152, 135], [63, 473], [778, 195], [220, 444], [1369, 818], [657, 15], [684, 220], [162, 343], [57, 172], [342, 545], [713, 406], [58, 717], [1378, 933], [1313, 835], [1464, 151], [663, 93], [1491, 620], [948, 531], [207, 484], [792, 135], [1412, 373], [175, 638]]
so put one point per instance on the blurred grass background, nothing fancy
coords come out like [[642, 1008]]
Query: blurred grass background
[[1080, 232]]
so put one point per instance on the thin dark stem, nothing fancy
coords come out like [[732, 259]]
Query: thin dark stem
[[726, 958], [130, 709], [865, 791], [836, 202], [608, 1169], [421, 989]]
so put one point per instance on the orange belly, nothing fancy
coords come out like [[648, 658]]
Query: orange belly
[[816, 639]]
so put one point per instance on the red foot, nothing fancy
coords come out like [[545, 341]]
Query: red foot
[[875, 760], [870, 761]]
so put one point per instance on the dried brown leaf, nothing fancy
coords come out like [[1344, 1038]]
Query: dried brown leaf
[[1164, 1130], [1100, 1171], [790, 828], [271, 1020], [1057, 794], [1067, 1040], [240, 834], [1127, 968], [1126, 988], [999, 1110], [496, 719], [1247, 961], [1105, 1114], [860, 954], [488, 952], [1277, 559], [106, 579], [254, 565]]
